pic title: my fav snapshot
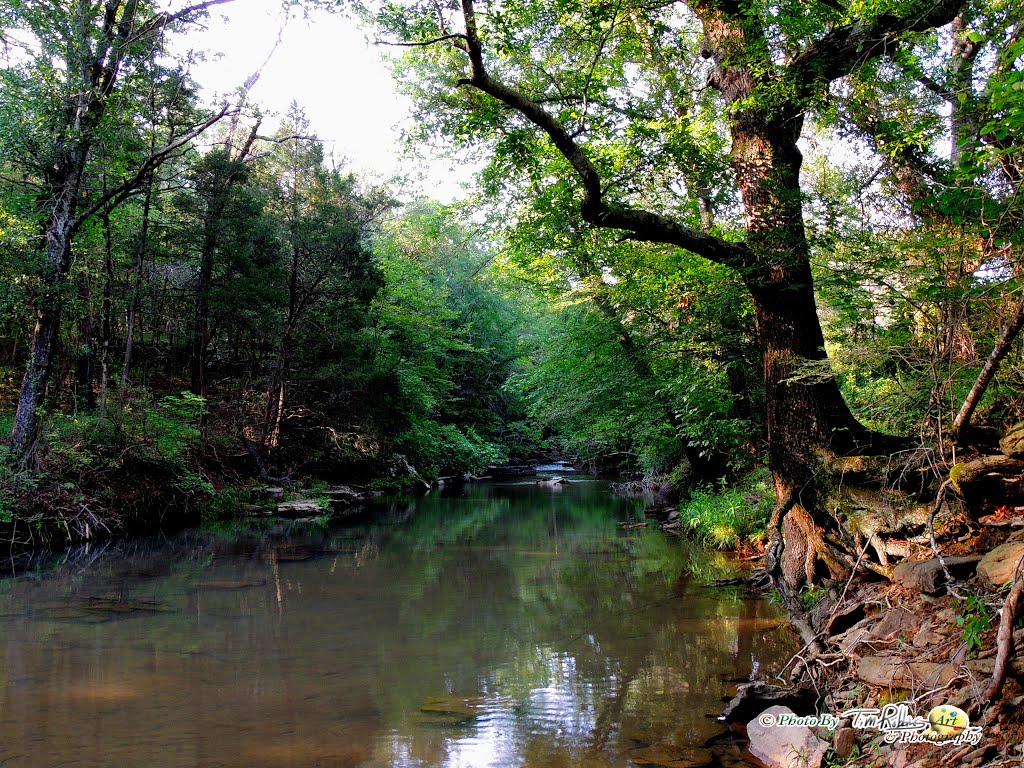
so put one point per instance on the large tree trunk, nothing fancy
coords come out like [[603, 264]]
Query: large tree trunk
[[33, 385], [48, 312], [807, 417]]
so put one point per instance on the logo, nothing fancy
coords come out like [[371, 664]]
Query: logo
[[945, 724]]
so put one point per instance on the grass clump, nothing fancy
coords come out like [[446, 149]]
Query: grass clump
[[730, 517]]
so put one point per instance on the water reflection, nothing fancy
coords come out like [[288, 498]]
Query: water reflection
[[506, 626]]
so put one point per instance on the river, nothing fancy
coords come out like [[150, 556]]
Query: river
[[505, 625]]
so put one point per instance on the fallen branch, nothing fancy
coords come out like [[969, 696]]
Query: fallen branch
[[1004, 638]]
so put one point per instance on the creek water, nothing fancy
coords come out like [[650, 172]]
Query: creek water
[[502, 625]]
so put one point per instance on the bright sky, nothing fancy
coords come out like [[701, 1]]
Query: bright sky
[[326, 64]]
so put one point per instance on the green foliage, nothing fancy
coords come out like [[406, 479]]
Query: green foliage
[[731, 516], [172, 425], [975, 621], [446, 342], [223, 505], [443, 449]]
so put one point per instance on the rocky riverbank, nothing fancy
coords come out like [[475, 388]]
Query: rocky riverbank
[[899, 650]]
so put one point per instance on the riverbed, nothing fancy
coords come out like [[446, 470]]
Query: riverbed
[[502, 624]]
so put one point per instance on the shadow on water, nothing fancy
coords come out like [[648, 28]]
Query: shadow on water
[[497, 625]]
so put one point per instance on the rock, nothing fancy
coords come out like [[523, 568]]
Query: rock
[[301, 508], [453, 709], [341, 498], [895, 672], [928, 636], [988, 666], [752, 698], [671, 756], [552, 481], [872, 512], [861, 469], [894, 622], [343, 493], [927, 575], [273, 492], [998, 566], [844, 741], [1012, 444], [980, 756], [998, 521], [967, 696], [855, 635], [784, 746]]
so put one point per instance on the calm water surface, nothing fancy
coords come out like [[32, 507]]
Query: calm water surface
[[509, 626]]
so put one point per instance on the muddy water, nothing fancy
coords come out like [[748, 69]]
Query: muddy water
[[509, 626]]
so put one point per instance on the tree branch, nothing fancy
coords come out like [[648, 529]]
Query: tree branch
[[163, 19], [640, 224], [117, 194], [839, 52], [937, 88], [1009, 334], [420, 43]]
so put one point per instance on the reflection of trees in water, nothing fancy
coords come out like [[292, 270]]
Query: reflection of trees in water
[[588, 643], [582, 640]]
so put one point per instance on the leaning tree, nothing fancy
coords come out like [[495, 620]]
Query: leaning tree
[[610, 101]]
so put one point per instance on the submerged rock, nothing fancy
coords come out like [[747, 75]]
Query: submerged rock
[[784, 746], [453, 709]]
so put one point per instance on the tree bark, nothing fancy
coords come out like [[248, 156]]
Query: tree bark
[[57, 231]]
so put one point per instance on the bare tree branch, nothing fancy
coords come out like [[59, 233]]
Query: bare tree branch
[[125, 189], [420, 43], [163, 19], [1002, 347]]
